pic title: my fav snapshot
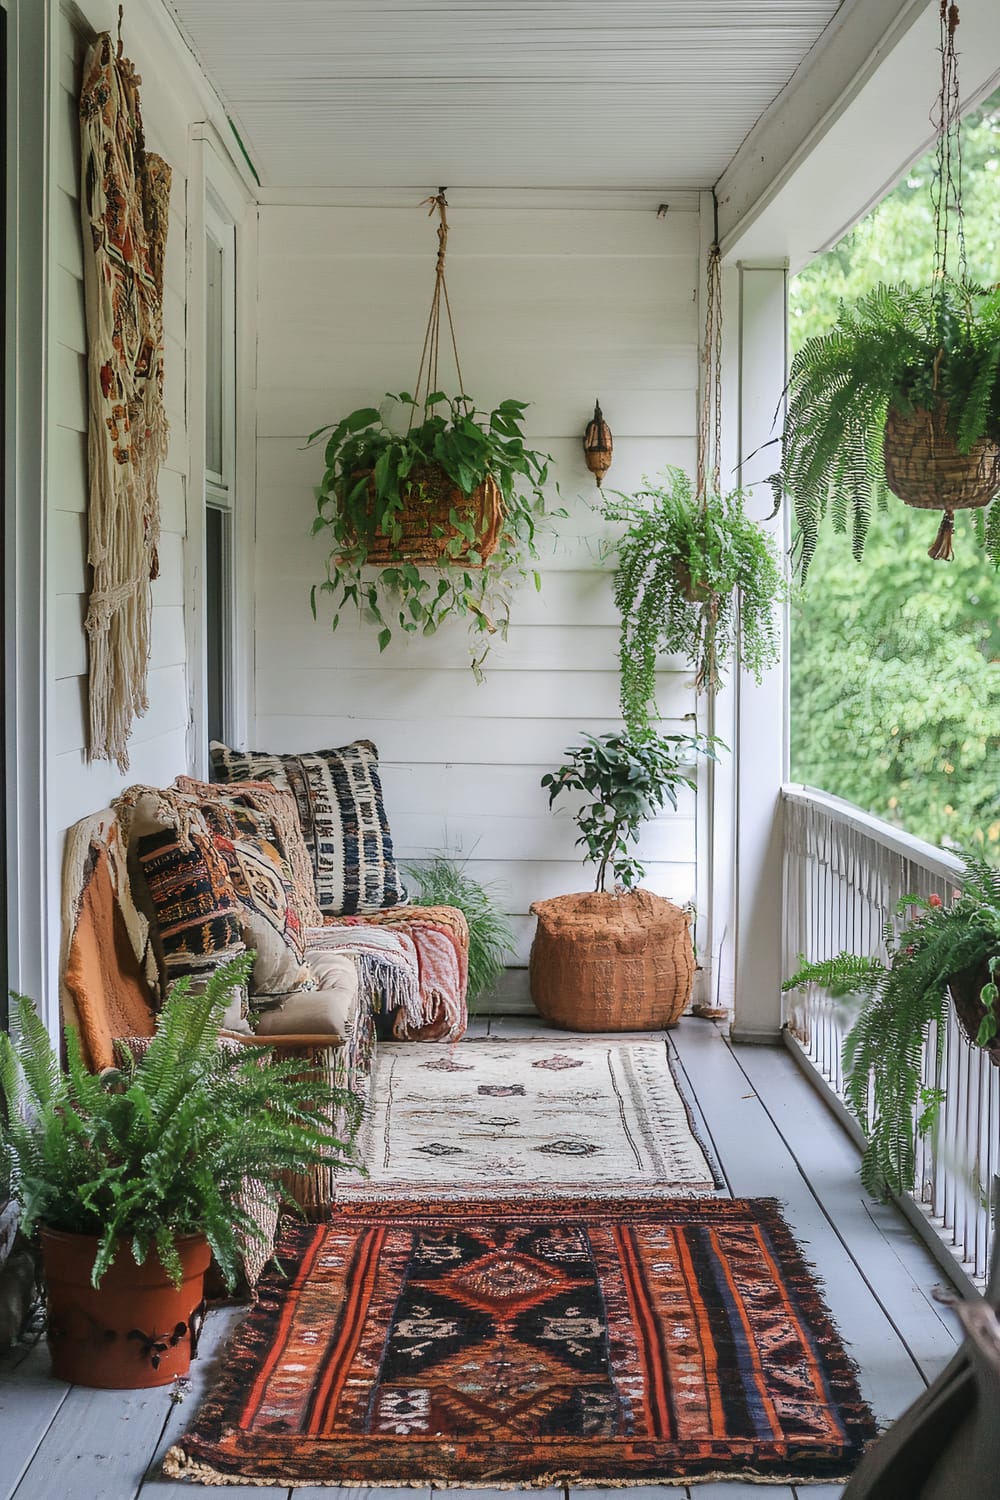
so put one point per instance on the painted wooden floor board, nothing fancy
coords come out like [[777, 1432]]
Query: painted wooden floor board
[[153, 1485], [772, 1139], [98, 1446], [893, 1261], [735, 1489], [29, 1402], [757, 1165]]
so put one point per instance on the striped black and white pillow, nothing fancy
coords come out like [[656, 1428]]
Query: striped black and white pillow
[[339, 799]]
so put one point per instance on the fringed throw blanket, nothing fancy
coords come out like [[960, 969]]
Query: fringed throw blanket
[[125, 195], [435, 941]]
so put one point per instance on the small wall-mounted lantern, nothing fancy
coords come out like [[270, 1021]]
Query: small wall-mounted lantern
[[598, 444]]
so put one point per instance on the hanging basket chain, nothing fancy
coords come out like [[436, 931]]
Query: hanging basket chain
[[428, 373], [946, 198], [946, 188]]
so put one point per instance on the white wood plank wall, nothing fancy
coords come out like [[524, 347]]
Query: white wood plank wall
[[158, 746], [555, 307]]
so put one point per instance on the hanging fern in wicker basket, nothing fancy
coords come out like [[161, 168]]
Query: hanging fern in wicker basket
[[902, 396], [430, 506]]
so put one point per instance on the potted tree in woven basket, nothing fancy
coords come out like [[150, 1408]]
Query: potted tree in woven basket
[[136, 1177], [619, 959], [942, 949], [430, 506], [903, 394]]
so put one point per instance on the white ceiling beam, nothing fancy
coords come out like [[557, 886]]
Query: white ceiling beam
[[851, 119]]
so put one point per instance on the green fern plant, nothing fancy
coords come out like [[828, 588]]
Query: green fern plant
[[695, 577], [938, 945], [896, 347], [159, 1147], [443, 880]]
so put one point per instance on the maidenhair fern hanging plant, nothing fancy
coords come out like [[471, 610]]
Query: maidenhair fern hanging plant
[[902, 396], [431, 517], [696, 577]]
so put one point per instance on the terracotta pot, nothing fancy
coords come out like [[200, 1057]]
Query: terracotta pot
[[136, 1329], [608, 962]]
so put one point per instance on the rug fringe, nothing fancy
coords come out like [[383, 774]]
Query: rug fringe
[[178, 1465]]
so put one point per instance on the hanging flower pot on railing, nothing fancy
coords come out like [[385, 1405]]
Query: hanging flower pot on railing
[[926, 468]]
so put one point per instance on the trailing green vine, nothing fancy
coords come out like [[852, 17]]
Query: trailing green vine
[[374, 471], [695, 578]]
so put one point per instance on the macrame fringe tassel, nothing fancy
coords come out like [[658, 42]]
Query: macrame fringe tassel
[[942, 550]]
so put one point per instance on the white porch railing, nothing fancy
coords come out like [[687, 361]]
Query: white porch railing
[[844, 873]]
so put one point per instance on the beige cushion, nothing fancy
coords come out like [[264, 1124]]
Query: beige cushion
[[327, 1010]]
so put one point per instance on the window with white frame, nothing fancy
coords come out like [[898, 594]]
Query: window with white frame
[[220, 468]]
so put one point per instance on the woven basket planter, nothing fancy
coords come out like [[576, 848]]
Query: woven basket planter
[[694, 592], [925, 468], [602, 962], [965, 988], [426, 522]]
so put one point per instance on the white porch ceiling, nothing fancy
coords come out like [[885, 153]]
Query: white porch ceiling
[[578, 94]]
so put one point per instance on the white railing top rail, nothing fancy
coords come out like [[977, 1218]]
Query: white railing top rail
[[936, 861]]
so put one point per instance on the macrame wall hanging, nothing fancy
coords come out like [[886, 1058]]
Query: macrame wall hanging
[[125, 195]]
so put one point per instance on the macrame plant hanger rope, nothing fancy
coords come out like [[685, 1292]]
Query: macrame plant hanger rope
[[946, 198], [430, 358], [709, 463]]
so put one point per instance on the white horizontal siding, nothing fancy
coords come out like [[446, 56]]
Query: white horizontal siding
[[551, 314]]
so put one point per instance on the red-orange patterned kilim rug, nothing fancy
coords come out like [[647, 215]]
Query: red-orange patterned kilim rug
[[498, 1343]]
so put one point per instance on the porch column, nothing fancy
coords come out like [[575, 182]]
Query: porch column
[[759, 718]]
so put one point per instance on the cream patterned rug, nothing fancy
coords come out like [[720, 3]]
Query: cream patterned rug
[[594, 1116]]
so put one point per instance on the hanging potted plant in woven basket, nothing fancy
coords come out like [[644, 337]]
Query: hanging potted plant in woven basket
[[430, 505], [694, 575], [902, 396], [939, 948]]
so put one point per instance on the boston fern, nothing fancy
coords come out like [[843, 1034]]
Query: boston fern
[[940, 945], [898, 347], [370, 465], [626, 780], [160, 1147], [696, 578]]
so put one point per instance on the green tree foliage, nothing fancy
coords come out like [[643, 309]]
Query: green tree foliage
[[896, 661]]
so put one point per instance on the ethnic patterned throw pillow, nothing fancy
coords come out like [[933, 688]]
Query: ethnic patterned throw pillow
[[270, 920], [282, 815], [339, 799], [197, 916]]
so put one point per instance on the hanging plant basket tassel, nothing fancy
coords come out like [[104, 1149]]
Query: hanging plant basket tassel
[[598, 445], [941, 549], [926, 468]]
